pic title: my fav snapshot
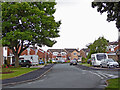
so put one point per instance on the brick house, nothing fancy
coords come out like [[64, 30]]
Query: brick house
[[112, 49], [9, 58], [72, 54], [113, 54], [58, 54], [82, 53]]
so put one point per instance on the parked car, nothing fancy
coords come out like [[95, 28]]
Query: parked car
[[73, 62], [24, 63], [109, 63], [89, 61], [41, 62], [61, 61], [54, 61]]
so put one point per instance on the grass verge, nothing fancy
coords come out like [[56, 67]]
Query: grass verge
[[85, 64], [113, 83], [17, 72]]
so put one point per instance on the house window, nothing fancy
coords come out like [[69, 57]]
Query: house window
[[63, 53], [55, 53], [75, 54]]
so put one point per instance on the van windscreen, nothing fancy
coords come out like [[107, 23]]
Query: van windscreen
[[101, 56]]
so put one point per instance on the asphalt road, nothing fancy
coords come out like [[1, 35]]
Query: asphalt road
[[66, 76]]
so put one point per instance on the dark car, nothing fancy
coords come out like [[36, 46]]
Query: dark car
[[73, 62], [89, 61], [24, 63]]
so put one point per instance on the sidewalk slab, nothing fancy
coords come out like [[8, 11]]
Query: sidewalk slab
[[28, 76]]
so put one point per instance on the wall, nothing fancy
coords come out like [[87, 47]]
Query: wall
[[74, 56]]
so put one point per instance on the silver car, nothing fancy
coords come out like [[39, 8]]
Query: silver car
[[109, 63]]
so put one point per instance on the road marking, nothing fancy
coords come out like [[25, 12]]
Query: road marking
[[103, 75], [96, 74], [110, 75]]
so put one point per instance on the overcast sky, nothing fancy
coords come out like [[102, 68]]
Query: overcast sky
[[81, 24]]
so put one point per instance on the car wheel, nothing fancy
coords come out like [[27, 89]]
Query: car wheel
[[27, 66], [101, 66], [109, 66]]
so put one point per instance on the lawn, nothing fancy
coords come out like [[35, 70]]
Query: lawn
[[113, 83], [17, 72]]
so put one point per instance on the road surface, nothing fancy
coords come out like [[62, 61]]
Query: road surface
[[66, 76]]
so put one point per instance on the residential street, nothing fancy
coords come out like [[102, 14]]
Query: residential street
[[66, 76]]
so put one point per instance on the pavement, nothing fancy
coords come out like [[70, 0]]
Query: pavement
[[31, 76], [97, 68]]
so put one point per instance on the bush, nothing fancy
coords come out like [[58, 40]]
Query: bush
[[84, 60], [4, 66], [50, 61], [68, 61]]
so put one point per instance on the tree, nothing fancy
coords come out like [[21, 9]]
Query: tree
[[98, 46], [28, 23], [113, 14]]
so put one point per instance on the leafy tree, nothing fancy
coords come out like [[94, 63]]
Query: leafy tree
[[99, 46], [113, 14], [28, 23]]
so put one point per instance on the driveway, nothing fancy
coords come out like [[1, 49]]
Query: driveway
[[65, 76]]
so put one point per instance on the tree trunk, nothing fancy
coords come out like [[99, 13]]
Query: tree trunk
[[16, 61], [119, 46]]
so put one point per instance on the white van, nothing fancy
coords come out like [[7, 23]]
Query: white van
[[32, 58], [96, 58]]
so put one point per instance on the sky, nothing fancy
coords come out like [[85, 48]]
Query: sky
[[81, 25]]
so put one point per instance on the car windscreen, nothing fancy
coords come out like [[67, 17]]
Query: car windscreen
[[73, 60], [100, 56], [110, 60]]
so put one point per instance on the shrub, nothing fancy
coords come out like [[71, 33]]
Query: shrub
[[84, 60], [4, 66], [68, 61]]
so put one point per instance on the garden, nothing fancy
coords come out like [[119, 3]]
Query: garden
[[10, 71]]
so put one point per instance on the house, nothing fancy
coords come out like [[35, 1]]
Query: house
[[111, 46], [112, 49], [84, 52], [58, 54], [8, 56], [72, 53]]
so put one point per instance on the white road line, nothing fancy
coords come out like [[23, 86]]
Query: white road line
[[110, 75], [96, 74], [103, 75]]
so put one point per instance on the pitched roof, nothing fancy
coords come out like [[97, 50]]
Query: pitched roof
[[85, 49], [57, 50], [113, 43], [71, 49]]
